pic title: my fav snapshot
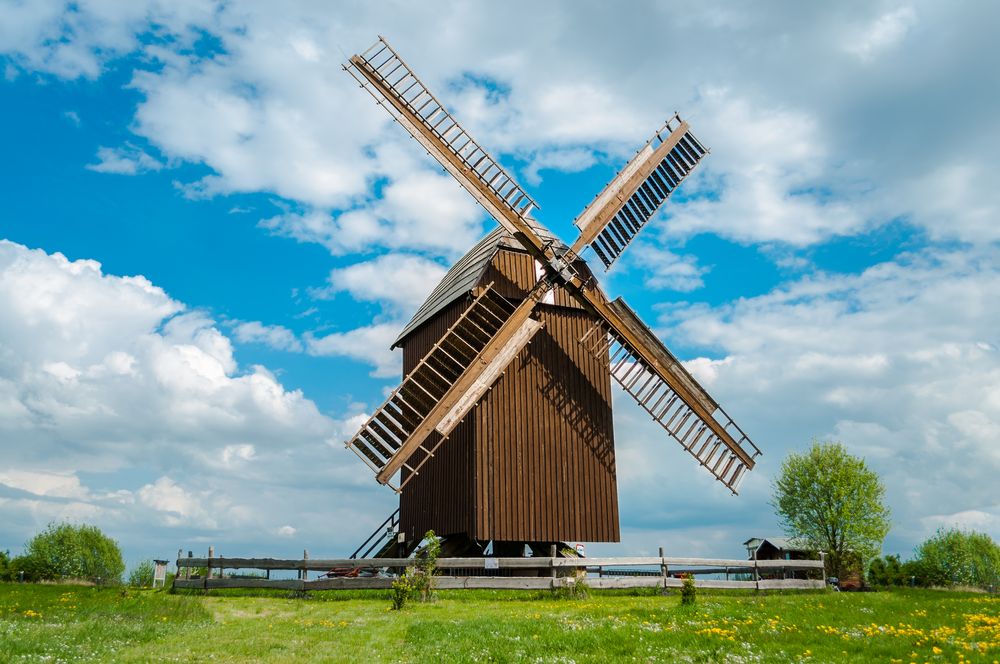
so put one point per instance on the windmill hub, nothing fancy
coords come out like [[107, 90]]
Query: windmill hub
[[501, 430]]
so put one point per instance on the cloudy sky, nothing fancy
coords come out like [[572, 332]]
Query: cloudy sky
[[211, 236]]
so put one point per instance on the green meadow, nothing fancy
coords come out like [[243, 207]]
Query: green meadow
[[57, 623]]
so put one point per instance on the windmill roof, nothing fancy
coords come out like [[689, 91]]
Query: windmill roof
[[466, 272]]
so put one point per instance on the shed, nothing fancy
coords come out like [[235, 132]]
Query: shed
[[778, 548]]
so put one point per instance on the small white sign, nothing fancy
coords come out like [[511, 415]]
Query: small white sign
[[492, 563]]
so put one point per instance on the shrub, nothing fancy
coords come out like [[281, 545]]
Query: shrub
[[6, 569], [956, 557], [141, 575], [423, 579], [419, 579], [886, 572], [402, 589], [689, 591], [66, 551]]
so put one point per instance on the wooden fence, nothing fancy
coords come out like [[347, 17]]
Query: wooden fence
[[505, 573]]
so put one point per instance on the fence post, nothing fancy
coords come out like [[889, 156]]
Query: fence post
[[208, 565], [187, 570], [663, 570], [305, 560], [552, 564], [822, 559]]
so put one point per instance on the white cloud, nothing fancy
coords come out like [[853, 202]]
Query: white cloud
[[890, 361], [402, 281], [660, 268], [274, 336], [369, 344], [59, 485], [887, 31], [793, 163], [570, 160], [126, 160], [120, 407], [807, 145], [772, 181]]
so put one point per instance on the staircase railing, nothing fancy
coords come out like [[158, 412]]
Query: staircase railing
[[382, 536]]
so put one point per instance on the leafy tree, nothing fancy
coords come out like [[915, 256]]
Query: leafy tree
[[141, 575], [887, 571], [64, 550], [953, 557], [833, 501], [6, 567]]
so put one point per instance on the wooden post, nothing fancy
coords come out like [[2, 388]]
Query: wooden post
[[822, 559], [305, 559], [180, 554], [552, 563], [187, 570], [663, 569], [208, 565]]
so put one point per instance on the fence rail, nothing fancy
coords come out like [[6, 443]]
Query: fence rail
[[537, 573]]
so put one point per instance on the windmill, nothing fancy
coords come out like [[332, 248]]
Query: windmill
[[489, 438]]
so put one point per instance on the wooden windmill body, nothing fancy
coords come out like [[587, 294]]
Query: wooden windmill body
[[501, 429], [534, 460]]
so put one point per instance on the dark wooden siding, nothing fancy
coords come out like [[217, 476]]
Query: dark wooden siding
[[534, 461], [545, 462], [441, 497], [513, 275]]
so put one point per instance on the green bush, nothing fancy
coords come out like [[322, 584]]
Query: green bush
[[956, 557], [141, 575], [689, 592], [67, 551], [887, 572], [418, 581], [402, 589], [6, 568]]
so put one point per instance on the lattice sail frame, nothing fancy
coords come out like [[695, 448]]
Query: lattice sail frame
[[434, 399], [631, 199]]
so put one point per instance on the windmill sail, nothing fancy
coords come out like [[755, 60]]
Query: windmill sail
[[406, 430], [447, 383], [385, 75], [630, 200], [648, 372]]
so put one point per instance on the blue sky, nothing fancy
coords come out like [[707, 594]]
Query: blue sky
[[213, 236]]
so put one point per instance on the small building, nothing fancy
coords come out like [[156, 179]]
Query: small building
[[778, 548]]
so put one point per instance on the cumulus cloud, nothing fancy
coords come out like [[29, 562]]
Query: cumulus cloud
[[402, 281], [274, 336], [808, 146], [824, 122], [120, 406], [126, 160], [898, 362], [368, 344], [884, 33]]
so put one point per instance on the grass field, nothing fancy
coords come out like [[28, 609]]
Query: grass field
[[74, 623]]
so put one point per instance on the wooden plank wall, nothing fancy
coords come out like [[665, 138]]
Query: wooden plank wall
[[441, 497], [534, 461], [544, 443]]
